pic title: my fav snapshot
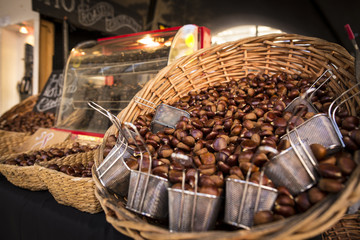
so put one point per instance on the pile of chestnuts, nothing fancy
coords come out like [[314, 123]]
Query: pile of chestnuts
[[74, 170], [228, 122], [29, 159], [29, 122]]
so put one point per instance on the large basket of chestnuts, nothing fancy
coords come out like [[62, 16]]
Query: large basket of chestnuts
[[257, 138], [21, 119], [19, 122]]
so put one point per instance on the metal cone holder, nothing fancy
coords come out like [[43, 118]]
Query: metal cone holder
[[244, 198], [294, 168], [113, 172], [307, 101], [191, 211], [321, 128], [147, 193], [165, 116]]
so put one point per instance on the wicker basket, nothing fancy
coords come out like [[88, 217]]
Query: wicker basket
[[77, 192], [23, 107], [290, 53], [26, 176], [347, 228], [10, 139]]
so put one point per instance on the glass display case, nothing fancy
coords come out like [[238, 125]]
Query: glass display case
[[110, 71]]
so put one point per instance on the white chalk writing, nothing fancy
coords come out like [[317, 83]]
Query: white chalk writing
[[120, 21], [54, 87], [90, 13], [46, 104], [43, 139], [88, 16]]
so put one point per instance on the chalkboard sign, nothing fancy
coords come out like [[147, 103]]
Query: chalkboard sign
[[105, 15], [50, 96]]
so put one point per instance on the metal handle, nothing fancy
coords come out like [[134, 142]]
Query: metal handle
[[302, 161], [309, 156], [327, 70], [313, 85], [136, 97], [120, 140], [137, 134], [334, 112], [331, 112], [186, 161], [258, 150], [182, 199], [106, 113]]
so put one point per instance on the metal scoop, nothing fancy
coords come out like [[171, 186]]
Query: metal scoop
[[165, 116], [147, 193], [244, 198], [113, 172], [322, 128], [191, 211], [307, 101], [295, 168]]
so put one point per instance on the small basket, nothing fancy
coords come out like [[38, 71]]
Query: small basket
[[4, 134], [322, 128], [21, 108], [77, 192], [115, 174], [22, 176], [25, 176], [269, 54]]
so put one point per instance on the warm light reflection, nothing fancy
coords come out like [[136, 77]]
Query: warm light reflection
[[148, 41], [23, 30], [236, 33], [167, 43]]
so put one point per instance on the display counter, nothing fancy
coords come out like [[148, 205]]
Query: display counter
[[36, 215]]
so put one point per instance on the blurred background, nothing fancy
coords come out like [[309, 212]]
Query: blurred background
[[37, 35]]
